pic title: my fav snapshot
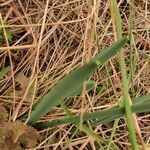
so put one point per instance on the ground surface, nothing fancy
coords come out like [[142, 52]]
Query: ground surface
[[46, 40]]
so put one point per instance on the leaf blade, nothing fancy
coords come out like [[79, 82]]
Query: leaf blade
[[70, 84]]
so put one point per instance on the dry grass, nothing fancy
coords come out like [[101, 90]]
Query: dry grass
[[51, 38]]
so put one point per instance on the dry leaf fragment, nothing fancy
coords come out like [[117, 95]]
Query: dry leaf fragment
[[3, 115], [29, 138], [15, 134], [23, 81]]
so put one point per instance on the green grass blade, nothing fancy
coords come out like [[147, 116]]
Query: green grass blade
[[142, 99], [101, 116], [142, 107], [70, 84], [89, 85]]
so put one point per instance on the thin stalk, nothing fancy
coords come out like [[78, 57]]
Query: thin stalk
[[127, 105], [116, 20], [117, 120], [113, 133], [131, 19], [132, 68]]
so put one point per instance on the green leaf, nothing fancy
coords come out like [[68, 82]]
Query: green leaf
[[103, 116], [71, 84]]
